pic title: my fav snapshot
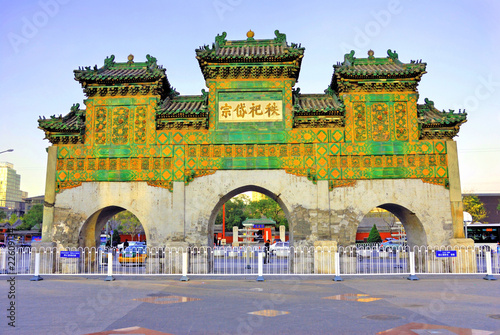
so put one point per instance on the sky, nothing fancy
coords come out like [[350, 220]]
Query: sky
[[42, 42]]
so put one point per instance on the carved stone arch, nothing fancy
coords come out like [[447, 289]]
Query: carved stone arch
[[248, 188], [91, 228], [415, 232]]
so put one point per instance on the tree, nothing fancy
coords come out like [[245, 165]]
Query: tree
[[33, 217], [374, 236], [234, 213], [129, 223], [13, 218], [3, 216], [498, 207], [474, 207], [268, 208], [115, 239]]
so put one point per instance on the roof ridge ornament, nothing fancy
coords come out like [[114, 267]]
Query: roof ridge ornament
[[349, 58], [370, 54], [220, 40], [205, 96], [429, 103], [75, 107], [250, 35], [392, 55], [151, 62], [280, 38], [109, 61]]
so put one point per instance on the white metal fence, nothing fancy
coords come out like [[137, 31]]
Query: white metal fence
[[227, 261]]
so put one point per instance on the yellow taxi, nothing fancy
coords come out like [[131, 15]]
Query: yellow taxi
[[133, 255]]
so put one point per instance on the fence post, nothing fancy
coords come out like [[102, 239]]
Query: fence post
[[489, 272], [184, 266], [337, 267], [260, 260], [37, 277], [412, 276], [110, 267]]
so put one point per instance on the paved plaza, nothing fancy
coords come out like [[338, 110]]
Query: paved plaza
[[241, 305]]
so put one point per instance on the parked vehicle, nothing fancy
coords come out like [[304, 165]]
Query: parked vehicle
[[279, 248], [130, 244], [392, 245], [133, 255]]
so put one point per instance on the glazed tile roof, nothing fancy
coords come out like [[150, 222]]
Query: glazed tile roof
[[74, 121], [375, 67], [182, 105], [122, 72], [429, 116], [143, 74], [249, 50], [308, 103]]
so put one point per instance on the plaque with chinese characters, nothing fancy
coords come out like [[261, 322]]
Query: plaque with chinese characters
[[251, 111]]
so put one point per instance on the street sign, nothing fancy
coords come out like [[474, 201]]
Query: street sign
[[70, 254], [446, 253]]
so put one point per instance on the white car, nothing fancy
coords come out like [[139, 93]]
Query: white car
[[279, 248], [130, 244]]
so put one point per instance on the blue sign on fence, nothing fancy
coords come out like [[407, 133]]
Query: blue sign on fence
[[70, 254], [446, 253]]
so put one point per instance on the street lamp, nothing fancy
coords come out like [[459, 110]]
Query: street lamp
[[8, 150]]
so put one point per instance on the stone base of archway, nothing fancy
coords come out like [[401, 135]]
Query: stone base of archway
[[464, 264], [324, 262]]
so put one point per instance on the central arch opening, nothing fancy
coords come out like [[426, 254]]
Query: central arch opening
[[265, 213]]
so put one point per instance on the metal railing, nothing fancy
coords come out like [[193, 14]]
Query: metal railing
[[227, 261]]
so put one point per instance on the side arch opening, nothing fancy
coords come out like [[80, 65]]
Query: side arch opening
[[91, 230], [393, 221]]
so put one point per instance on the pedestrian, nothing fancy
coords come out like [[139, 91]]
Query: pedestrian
[[125, 244], [266, 252]]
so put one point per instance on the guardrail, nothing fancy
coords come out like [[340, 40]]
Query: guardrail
[[231, 261]]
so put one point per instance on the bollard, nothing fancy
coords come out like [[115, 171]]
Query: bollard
[[184, 267], [489, 271], [412, 276], [337, 267], [37, 277], [110, 268], [260, 267], [4, 261]]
